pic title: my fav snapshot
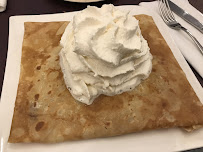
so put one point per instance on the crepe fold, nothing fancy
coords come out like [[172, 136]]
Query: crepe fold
[[46, 112]]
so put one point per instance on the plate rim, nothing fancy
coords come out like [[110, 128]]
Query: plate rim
[[16, 20]]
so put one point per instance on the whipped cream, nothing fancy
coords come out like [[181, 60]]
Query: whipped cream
[[103, 52]]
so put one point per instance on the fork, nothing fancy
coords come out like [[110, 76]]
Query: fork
[[170, 20]]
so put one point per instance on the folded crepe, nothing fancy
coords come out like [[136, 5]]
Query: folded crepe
[[46, 112]]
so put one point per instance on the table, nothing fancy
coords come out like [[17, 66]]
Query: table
[[25, 7]]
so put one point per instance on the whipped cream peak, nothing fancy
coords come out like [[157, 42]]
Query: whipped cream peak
[[111, 36], [103, 52]]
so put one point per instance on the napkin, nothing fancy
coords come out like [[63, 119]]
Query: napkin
[[3, 5], [181, 39]]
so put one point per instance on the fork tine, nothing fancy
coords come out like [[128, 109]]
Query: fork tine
[[165, 11], [162, 11], [169, 12], [169, 9]]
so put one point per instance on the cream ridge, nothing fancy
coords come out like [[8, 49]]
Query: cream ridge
[[103, 52]]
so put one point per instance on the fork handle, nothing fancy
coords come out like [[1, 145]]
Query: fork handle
[[193, 38]]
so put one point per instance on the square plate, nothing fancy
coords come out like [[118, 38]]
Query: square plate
[[156, 140]]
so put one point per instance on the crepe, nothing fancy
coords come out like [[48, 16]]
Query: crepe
[[46, 112]]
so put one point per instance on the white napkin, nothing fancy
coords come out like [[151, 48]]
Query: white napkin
[[3, 5], [182, 40]]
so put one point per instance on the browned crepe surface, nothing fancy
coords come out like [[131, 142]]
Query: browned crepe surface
[[45, 111]]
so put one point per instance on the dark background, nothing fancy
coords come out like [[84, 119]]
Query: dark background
[[31, 7]]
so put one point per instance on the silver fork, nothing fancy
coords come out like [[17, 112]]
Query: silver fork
[[170, 20]]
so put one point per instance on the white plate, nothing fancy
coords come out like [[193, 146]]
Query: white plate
[[158, 140]]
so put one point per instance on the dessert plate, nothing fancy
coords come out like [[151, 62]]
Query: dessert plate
[[157, 140]]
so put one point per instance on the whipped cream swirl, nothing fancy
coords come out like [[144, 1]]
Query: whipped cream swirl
[[103, 52]]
